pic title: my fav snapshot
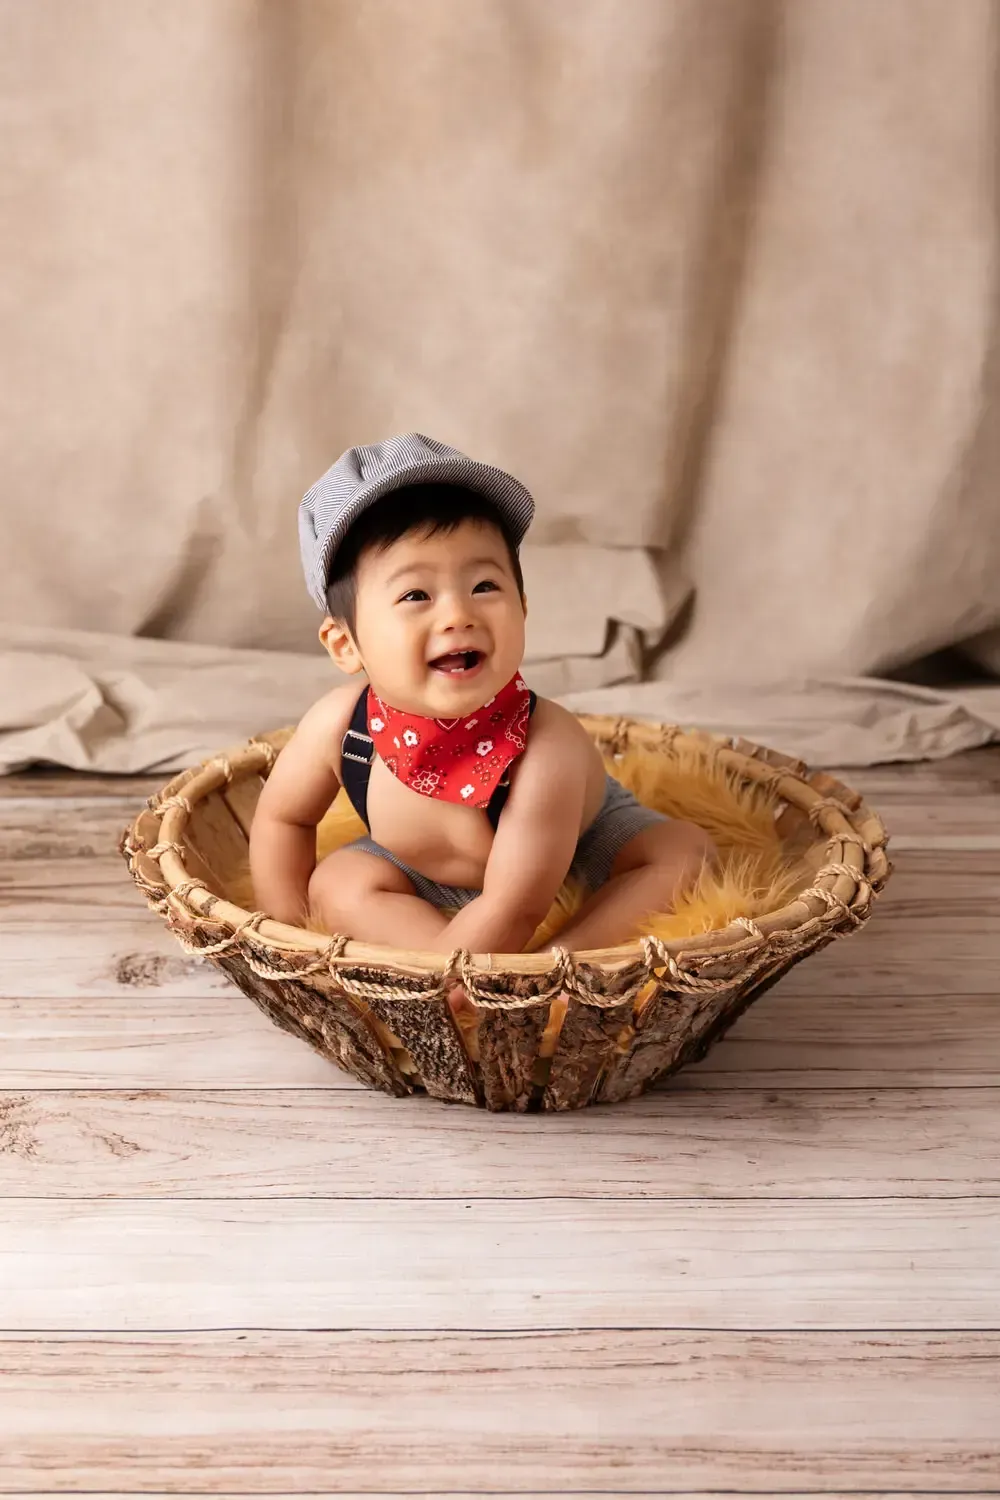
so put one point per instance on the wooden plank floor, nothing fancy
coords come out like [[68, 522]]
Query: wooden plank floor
[[226, 1269]]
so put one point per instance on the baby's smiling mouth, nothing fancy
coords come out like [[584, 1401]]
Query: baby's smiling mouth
[[458, 663]]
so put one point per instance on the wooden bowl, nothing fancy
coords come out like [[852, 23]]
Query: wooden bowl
[[629, 1014]]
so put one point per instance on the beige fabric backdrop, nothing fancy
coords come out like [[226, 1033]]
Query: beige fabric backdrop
[[718, 280]]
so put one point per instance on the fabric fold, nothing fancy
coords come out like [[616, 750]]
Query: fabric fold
[[92, 702]]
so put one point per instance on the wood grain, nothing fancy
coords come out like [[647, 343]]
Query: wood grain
[[937, 1143], [161, 1028], [168, 1159], [935, 931], [151, 1039], [924, 798], [90, 786], [865, 1040], [960, 795], [490, 1264], [220, 1412]]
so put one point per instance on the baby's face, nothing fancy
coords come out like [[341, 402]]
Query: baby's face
[[440, 621]]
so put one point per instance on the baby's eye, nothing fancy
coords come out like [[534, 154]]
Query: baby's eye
[[414, 596], [487, 584]]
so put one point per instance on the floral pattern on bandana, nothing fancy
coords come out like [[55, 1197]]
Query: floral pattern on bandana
[[452, 759]]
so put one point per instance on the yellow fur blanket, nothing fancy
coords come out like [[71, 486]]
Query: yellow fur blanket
[[755, 873]]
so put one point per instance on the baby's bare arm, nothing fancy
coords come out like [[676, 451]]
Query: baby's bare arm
[[535, 842], [299, 790]]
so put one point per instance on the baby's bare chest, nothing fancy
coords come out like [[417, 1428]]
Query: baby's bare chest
[[443, 840]]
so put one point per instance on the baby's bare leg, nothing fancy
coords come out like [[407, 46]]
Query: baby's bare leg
[[370, 899], [645, 878]]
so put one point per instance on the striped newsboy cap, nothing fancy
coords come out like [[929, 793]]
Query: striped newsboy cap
[[363, 475]]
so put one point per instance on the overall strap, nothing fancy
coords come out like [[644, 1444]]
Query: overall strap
[[356, 755], [498, 801]]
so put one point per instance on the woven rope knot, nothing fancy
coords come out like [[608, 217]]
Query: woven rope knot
[[224, 764], [207, 950], [654, 952], [269, 752], [318, 965], [181, 891], [838, 868], [657, 955], [830, 901], [750, 928], [461, 964], [458, 970], [177, 800], [169, 846], [850, 836], [827, 804], [564, 973]]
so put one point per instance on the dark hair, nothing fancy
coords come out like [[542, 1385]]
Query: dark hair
[[418, 507]]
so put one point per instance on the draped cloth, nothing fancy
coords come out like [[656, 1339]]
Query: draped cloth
[[718, 281]]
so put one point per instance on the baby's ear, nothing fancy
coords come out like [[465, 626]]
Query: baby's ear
[[338, 642]]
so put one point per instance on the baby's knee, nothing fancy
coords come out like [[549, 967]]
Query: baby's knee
[[346, 880], [340, 884], [685, 851], [696, 846]]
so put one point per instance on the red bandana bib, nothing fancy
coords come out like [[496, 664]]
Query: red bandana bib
[[455, 760]]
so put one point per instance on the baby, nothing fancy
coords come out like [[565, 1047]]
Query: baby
[[479, 797]]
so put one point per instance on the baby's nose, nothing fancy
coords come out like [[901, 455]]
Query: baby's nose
[[457, 612]]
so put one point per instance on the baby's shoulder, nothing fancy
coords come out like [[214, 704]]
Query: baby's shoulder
[[554, 730], [325, 723]]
